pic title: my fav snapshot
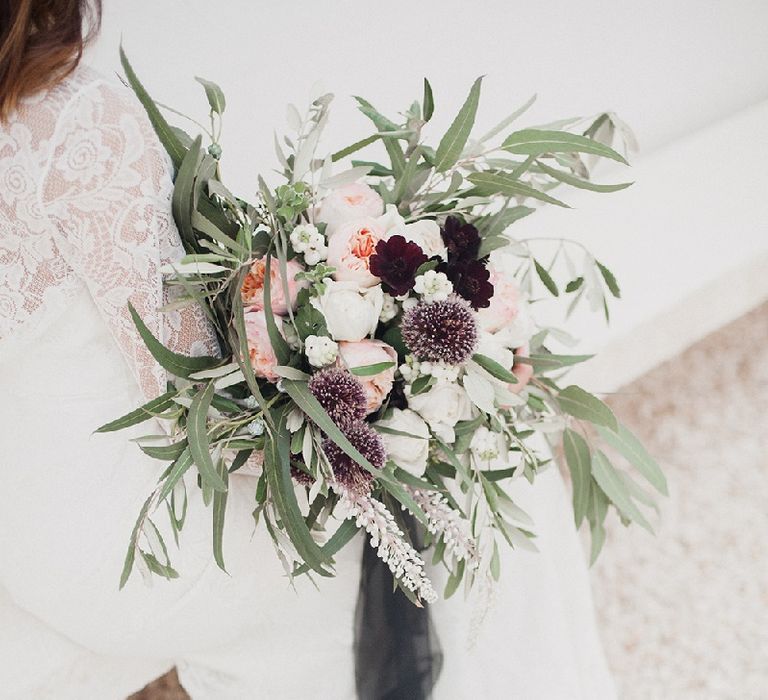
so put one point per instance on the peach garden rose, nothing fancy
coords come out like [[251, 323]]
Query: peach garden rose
[[262, 356], [253, 286], [350, 250]]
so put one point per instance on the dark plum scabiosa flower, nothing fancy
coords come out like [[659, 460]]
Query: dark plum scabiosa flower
[[395, 262], [348, 472], [462, 240], [340, 394], [471, 281], [440, 331]]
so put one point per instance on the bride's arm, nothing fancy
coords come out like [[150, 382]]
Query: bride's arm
[[107, 193]]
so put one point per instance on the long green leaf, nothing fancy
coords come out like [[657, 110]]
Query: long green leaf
[[613, 485], [452, 144], [579, 464], [279, 345], [164, 132], [546, 278], [165, 452], [548, 362], [219, 511], [214, 94], [182, 201], [580, 183], [581, 404], [344, 533], [145, 412], [199, 444], [490, 182], [428, 106], [177, 364], [494, 368], [370, 370], [178, 469], [133, 543], [356, 146], [278, 470], [534, 142], [396, 156], [624, 442]]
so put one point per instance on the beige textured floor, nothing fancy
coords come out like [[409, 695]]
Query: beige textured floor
[[685, 615]]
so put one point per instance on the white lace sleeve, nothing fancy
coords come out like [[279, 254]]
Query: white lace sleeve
[[107, 191]]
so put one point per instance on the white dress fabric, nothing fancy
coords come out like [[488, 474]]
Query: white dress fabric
[[85, 226]]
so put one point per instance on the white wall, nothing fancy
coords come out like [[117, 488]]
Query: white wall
[[690, 78]]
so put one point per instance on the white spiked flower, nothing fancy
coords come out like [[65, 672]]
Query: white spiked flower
[[320, 350], [403, 560], [433, 286]]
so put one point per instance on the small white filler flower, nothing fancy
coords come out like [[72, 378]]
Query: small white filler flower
[[320, 350], [433, 286], [306, 239]]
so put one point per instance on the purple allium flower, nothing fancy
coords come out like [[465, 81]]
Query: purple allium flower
[[340, 394], [462, 240], [348, 472], [441, 330], [395, 262], [470, 280]]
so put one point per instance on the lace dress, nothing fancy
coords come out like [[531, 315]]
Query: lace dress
[[85, 226]]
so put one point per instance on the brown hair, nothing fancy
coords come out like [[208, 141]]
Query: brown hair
[[41, 42]]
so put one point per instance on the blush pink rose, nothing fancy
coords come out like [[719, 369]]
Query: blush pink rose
[[523, 372], [252, 290], [505, 303], [263, 359], [350, 250], [347, 203], [370, 352]]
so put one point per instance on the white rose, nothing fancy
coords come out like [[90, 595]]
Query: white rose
[[391, 222], [426, 234], [518, 331], [350, 313], [353, 201], [442, 407], [409, 452]]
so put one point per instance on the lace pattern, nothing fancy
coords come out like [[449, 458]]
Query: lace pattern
[[85, 192]]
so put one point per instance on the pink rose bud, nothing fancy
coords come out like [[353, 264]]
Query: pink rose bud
[[347, 203], [370, 352], [523, 371], [263, 359], [252, 290]]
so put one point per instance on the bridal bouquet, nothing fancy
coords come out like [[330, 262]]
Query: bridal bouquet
[[379, 348]]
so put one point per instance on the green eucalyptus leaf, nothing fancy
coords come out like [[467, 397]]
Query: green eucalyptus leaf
[[163, 130], [356, 146], [610, 280], [452, 144], [428, 106], [370, 370], [219, 511], [177, 470], [199, 443], [149, 410], [581, 404], [182, 200], [494, 368], [610, 481], [214, 94], [546, 278], [624, 442], [493, 182], [177, 364], [580, 465], [580, 183], [537, 142]]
